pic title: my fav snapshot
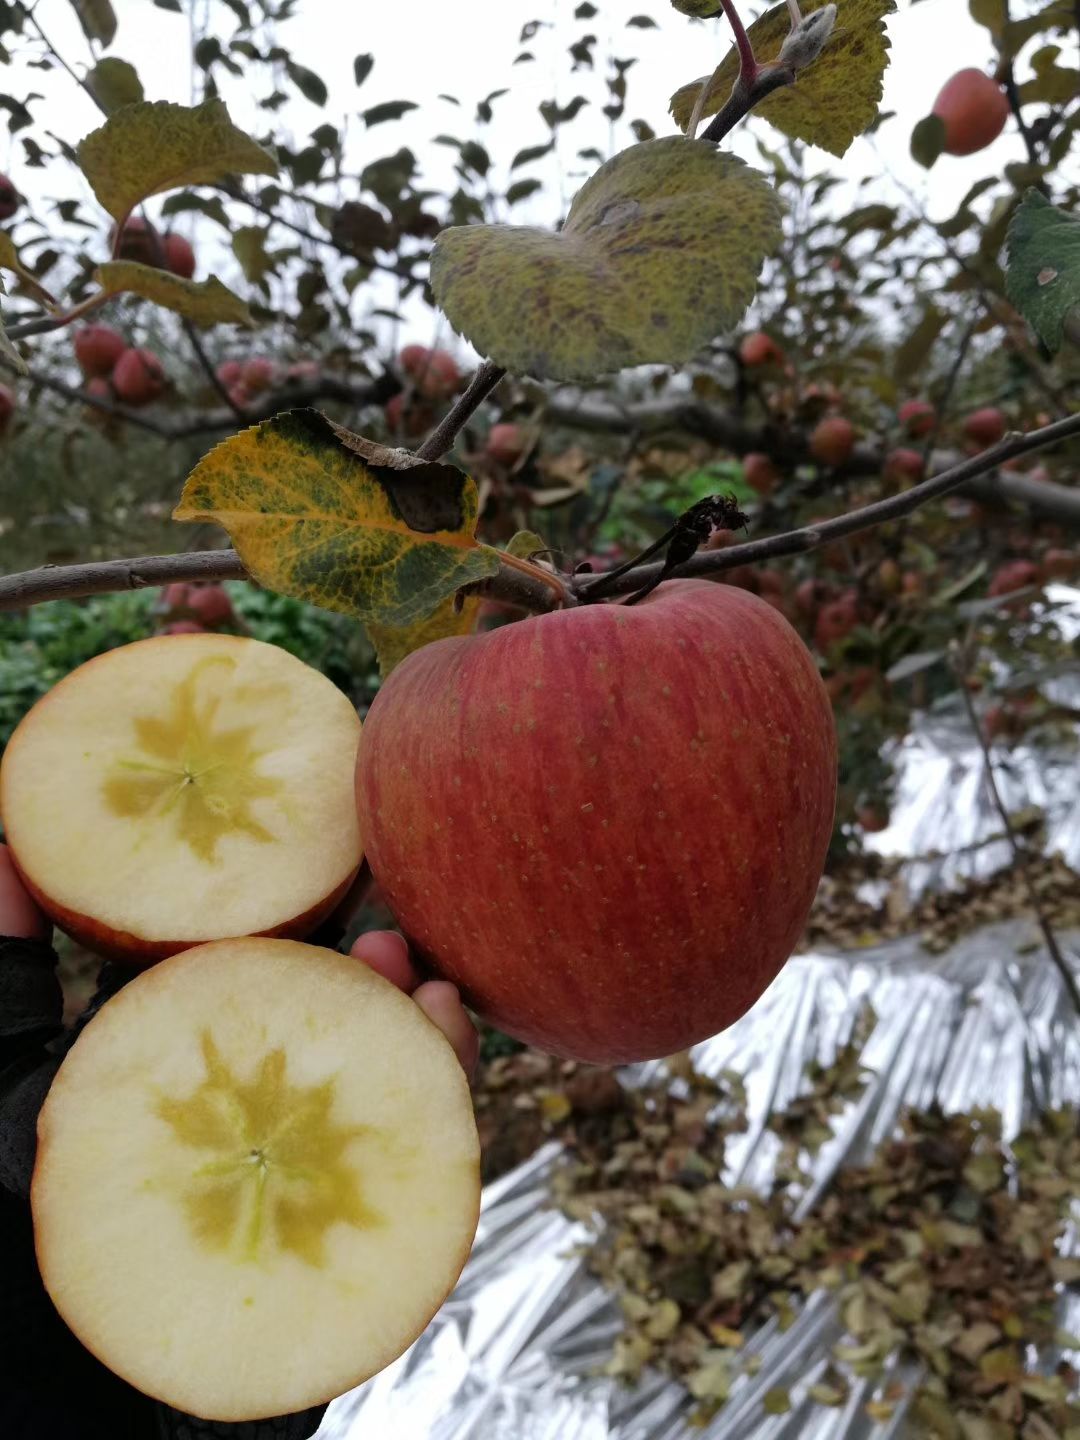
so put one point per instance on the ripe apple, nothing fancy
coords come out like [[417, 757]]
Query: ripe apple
[[138, 377], [606, 824], [97, 349], [239, 396], [9, 198], [7, 407], [760, 473], [229, 372], [211, 606], [179, 256], [757, 348], [434, 373], [257, 1178], [835, 620], [902, 465], [832, 440], [181, 789], [985, 427], [917, 417], [257, 374], [506, 443], [974, 109]]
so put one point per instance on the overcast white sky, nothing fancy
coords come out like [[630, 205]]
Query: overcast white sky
[[467, 47]]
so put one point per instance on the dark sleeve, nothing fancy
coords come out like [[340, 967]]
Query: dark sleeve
[[52, 1385]]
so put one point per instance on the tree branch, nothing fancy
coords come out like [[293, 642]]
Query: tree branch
[[798, 542], [445, 433]]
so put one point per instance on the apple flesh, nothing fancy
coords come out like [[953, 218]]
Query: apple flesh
[[257, 1178], [186, 788], [607, 824]]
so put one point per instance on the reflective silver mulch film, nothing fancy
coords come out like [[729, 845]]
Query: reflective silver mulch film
[[514, 1352]]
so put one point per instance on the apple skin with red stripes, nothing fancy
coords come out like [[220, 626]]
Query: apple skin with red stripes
[[607, 824]]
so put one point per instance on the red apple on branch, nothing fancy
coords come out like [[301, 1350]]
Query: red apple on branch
[[506, 443], [757, 348], [9, 198], [179, 256], [434, 373], [832, 440], [973, 108], [985, 427], [138, 377], [760, 473], [98, 348], [257, 374], [606, 824], [917, 417]]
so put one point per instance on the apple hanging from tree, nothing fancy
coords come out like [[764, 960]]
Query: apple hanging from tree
[[179, 255], [506, 443], [9, 198], [434, 373], [918, 418], [757, 348], [606, 824], [973, 108], [98, 348], [138, 377], [185, 788], [832, 440], [760, 473], [229, 372], [257, 1178], [985, 427]]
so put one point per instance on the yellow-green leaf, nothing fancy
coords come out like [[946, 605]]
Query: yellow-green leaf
[[524, 544], [329, 517], [249, 247], [698, 9], [7, 349], [660, 252], [206, 302], [835, 99], [114, 83], [393, 642], [148, 148], [9, 260]]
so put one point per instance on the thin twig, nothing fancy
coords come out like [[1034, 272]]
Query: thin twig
[[798, 542], [1021, 853], [445, 433]]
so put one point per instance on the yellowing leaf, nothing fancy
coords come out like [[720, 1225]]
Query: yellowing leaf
[[393, 642], [328, 517], [145, 149], [834, 99], [660, 251], [206, 302], [97, 18], [9, 260], [7, 349]]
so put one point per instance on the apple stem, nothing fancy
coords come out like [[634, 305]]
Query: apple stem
[[748, 66], [537, 572]]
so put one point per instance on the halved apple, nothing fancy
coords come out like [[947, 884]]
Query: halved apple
[[183, 789], [257, 1178]]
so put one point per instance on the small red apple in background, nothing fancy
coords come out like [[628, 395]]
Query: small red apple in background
[[407, 419], [179, 256], [97, 349], [506, 443], [628, 758], [872, 818], [760, 473], [1058, 564], [901, 465], [917, 417], [836, 619], [229, 371], [184, 627], [98, 388], [257, 374], [757, 348], [138, 377], [1013, 575], [9, 198], [174, 597], [434, 373], [974, 109], [985, 427], [832, 440], [7, 407], [239, 396], [211, 606]]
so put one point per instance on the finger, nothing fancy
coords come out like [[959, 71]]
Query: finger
[[18, 913], [441, 1003], [388, 955]]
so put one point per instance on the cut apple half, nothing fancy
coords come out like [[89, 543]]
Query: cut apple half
[[257, 1178], [183, 789]]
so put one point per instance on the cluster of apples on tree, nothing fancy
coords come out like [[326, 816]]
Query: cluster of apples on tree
[[605, 824]]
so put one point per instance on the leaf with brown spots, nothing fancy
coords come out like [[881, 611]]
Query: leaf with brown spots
[[834, 99], [329, 517], [660, 252]]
